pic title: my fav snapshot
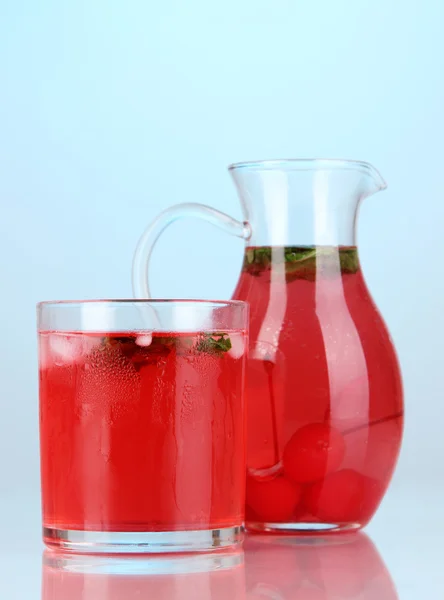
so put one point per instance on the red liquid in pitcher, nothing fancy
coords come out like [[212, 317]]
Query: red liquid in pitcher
[[324, 395], [142, 432]]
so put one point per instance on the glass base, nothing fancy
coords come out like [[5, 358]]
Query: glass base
[[154, 542], [302, 528]]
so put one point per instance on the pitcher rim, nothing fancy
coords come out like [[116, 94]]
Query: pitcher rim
[[306, 164], [298, 163]]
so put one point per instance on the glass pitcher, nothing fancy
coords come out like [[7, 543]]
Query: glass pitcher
[[324, 392]]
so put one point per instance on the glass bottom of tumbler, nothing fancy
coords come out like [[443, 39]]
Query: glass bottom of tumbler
[[149, 542], [302, 528]]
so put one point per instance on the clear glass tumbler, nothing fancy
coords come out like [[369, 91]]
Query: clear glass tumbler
[[142, 424]]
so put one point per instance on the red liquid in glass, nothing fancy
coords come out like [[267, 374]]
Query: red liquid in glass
[[141, 432], [324, 395]]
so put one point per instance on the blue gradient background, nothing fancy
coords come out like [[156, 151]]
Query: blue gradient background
[[111, 111]]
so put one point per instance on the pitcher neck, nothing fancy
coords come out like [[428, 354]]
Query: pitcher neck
[[304, 202]]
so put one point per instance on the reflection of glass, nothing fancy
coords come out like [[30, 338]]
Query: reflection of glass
[[141, 421], [214, 576], [344, 567], [324, 395]]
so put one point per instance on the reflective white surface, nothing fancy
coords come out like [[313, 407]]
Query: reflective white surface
[[399, 557]]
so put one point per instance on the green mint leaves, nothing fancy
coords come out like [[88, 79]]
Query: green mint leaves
[[301, 262], [209, 343], [214, 343]]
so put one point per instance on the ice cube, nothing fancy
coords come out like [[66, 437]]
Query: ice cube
[[68, 349], [144, 340], [44, 353], [237, 345]]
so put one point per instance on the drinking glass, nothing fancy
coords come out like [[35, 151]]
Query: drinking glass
[[142, 424]]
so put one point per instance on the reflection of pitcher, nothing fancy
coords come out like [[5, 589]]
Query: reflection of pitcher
[[343, 567], [325, 412]]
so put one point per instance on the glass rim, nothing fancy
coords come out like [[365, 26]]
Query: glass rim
[[158, 301], [300, 164]]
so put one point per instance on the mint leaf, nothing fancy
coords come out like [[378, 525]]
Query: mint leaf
[[214, 343], [126, 346], [349, 260], [296, 254], [300, 262]]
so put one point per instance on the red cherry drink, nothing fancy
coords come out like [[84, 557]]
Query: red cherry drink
[[324, 395], [142, 431]]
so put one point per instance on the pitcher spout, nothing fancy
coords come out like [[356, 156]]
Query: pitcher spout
[[374, 181]]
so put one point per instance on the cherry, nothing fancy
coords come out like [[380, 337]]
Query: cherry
[[313, 452], [273, 500], [250, 515], [338, 498], [372, 496]]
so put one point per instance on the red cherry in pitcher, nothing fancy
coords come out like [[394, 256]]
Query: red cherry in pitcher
[[274, 500], [314, 451], [340, 497]]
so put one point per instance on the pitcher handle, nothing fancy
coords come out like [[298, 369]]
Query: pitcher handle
[[152, 233]]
